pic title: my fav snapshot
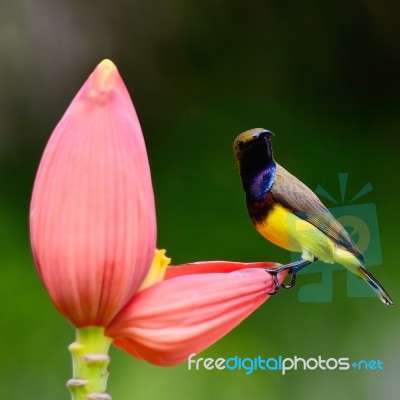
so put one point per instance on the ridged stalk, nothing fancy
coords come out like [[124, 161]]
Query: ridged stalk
[[90, 364]]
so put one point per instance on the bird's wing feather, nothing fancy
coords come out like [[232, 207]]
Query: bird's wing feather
[[297, 197]]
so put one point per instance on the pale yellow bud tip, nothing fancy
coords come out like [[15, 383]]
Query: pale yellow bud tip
[[104, 79], [106, 68]]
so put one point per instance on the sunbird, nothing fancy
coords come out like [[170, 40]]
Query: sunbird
[[287, 213]]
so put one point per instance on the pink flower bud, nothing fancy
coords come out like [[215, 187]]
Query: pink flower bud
[[92, 220]]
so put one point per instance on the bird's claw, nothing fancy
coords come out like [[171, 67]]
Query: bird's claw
[[293, 268], [292, 282], [276, 284], [274, 272]]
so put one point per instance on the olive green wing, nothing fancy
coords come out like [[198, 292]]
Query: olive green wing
[[298, 198]]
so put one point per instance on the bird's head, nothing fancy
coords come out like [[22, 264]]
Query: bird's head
[[252, 145]]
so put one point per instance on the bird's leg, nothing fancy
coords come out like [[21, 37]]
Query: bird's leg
[[293, 268]]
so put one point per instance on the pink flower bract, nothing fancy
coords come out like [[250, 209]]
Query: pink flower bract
[[166, 322], [92, 219]]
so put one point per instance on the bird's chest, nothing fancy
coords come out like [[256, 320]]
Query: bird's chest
[[259, 209], [276, 226]]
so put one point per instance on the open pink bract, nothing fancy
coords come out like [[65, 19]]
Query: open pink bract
[[195, 306], [92, 219]]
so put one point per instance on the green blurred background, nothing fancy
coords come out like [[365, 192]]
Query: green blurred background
[[324, 76]]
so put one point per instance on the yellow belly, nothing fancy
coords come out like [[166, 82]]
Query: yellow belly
[[286, 230]]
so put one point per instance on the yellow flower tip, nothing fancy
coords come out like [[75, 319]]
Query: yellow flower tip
[[106, 63], [105, 70], [157, 270], [104, 79], [161, 259]]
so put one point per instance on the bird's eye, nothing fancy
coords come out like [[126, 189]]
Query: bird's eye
[[240, 145]]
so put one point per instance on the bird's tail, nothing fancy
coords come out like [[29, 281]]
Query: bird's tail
[[376, 286]]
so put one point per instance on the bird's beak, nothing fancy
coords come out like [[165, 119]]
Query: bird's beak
[[266, 133]]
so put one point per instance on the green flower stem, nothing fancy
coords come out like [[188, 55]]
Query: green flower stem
[[90, 361]]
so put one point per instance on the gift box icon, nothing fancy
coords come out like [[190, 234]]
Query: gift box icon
[[361, 222]]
